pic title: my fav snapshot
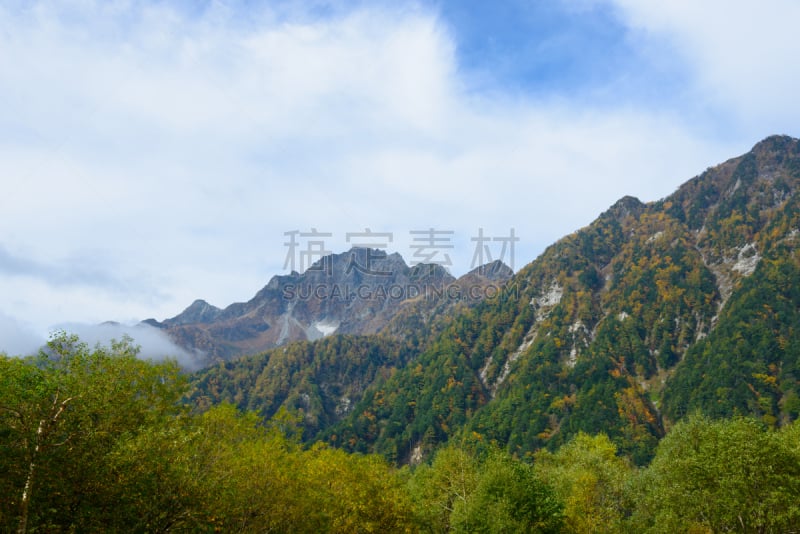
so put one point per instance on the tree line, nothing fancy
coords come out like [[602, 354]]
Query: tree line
[[94, 439]]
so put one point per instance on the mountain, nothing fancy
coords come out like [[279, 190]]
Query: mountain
[[653, 311], [322, 379], [362, 291]]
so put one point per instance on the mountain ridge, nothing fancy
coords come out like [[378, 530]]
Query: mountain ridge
[[596, 335], [360, 291], [651, 312]]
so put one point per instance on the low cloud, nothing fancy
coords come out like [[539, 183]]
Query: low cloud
[[18, 338], [154, 344]]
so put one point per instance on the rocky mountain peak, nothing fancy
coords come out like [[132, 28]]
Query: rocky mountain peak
[[495, 271], [776, 145], [198, 311], [358, 291], [625, 207]]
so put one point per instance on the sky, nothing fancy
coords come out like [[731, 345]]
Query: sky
[[153, 153]]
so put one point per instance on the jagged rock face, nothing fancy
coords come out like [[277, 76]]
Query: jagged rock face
[[356, 292]]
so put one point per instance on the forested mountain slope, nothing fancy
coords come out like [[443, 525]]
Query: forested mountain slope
[[652, 311], [323, 379]]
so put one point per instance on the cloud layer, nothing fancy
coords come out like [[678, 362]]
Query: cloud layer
[[152, 155]]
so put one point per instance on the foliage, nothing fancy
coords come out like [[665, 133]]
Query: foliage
[[721, 476], [98, 440], [652, 310], [591, 480], [320, 380], [124, 455], [750, 363], [466, 489], [618, 331], [61, 414]]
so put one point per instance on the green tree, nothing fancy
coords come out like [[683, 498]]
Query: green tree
[[252, 478], [727, 475], [62, 413], [509, 498], [589, 477], [473, 488], [444, 487]]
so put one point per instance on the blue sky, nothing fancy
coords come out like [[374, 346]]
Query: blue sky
[[538, 48], [156, 152]]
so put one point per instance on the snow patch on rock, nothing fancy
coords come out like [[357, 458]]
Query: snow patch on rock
[[320, 329]]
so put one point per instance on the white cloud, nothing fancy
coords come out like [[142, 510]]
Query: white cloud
[[153, 343], [170, 151], [18, 338], [743, 55]]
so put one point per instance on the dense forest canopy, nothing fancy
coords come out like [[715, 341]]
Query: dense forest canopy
[[97, 440]]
